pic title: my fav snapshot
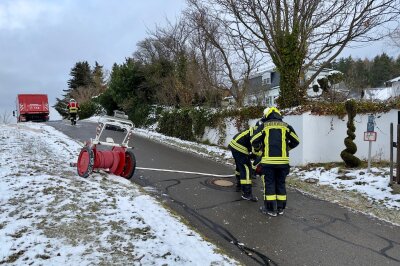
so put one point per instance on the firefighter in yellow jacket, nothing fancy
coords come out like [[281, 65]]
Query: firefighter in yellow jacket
[[241, 149], [275, 138]]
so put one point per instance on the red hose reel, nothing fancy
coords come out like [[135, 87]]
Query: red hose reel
[[117, 161], [120, 160]]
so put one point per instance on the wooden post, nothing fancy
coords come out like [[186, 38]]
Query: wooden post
[[398, 156], [391, 180]]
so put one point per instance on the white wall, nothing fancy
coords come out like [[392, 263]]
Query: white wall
[[322, 137]]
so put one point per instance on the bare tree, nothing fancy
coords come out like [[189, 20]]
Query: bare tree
[[395, 37], [170, 63], [84, 94], [5, 117], [218, 37], [299, 34]]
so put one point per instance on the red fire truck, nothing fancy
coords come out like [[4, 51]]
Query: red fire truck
[[32, 107]]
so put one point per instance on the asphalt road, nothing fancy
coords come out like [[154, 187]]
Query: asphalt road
[[311, 232]]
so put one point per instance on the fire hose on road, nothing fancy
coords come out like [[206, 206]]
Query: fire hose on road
[[183, 172], [120, 160]]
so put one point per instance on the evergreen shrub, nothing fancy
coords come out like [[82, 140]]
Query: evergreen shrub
[[88, 109]]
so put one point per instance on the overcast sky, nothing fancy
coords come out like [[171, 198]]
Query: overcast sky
[[41, 40]]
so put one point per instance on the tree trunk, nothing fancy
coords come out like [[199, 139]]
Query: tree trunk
[[289, 61], [290, 93]]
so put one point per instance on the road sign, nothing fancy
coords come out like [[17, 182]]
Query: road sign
[[370, 136], [371, 123]]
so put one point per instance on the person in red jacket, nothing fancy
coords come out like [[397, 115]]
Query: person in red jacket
[[73, 108]]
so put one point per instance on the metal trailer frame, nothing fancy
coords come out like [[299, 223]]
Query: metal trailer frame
[[125, 124]]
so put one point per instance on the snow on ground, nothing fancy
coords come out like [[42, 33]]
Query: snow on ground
[[51, 216], [373, 185], [201, 149]]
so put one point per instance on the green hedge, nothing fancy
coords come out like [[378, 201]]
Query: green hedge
[[338, 109], [187, 123], [190, 123]]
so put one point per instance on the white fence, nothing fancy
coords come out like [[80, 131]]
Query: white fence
[[322, 137]]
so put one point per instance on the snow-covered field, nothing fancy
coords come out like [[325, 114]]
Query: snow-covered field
[[51, 216]]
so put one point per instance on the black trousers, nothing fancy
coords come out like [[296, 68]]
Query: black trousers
[[244, 169], [274, 178]]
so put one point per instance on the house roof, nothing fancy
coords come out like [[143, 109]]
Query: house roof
[[393, 80], [378, 93], [259, 73]]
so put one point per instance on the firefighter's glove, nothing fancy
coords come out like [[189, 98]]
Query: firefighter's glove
[[258, 170]]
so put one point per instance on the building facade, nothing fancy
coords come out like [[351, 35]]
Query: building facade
[[264, 86]]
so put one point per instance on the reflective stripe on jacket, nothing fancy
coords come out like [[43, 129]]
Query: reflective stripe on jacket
[[73, 107], [241, 141], [277, 138]]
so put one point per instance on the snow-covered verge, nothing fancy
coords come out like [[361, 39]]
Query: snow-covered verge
[[374, 185], [362, 191], [51, 216]]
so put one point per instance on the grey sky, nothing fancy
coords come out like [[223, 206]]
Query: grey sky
[[41, 40]]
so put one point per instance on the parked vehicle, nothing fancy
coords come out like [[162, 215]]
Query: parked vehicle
[[32, 107], [120, 116]]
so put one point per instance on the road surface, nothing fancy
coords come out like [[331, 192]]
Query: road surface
[[311, 232]]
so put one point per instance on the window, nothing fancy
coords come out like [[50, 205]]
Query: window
[[266, 81]]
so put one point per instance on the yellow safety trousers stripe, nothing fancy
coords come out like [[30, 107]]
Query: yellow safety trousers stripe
[[246, 181], [275, 197], [237, 173], [270, 197], [281, 197]]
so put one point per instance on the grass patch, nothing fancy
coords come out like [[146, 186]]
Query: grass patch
[[342, 167], [13, 257], [396, 188], [360, 183], [345, 177], [19, 233], [43, 257], [2, 225]]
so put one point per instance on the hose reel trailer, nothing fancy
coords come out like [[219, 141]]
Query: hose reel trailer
[[120, 160]]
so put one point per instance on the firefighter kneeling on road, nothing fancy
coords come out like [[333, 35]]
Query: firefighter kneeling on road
[[275, 138], [73, 108], [240, 147]]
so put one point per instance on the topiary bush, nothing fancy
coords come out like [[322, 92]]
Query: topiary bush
[[351, 148]]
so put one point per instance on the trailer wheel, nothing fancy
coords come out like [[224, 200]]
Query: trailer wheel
[[85, 162], [130, 165]]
